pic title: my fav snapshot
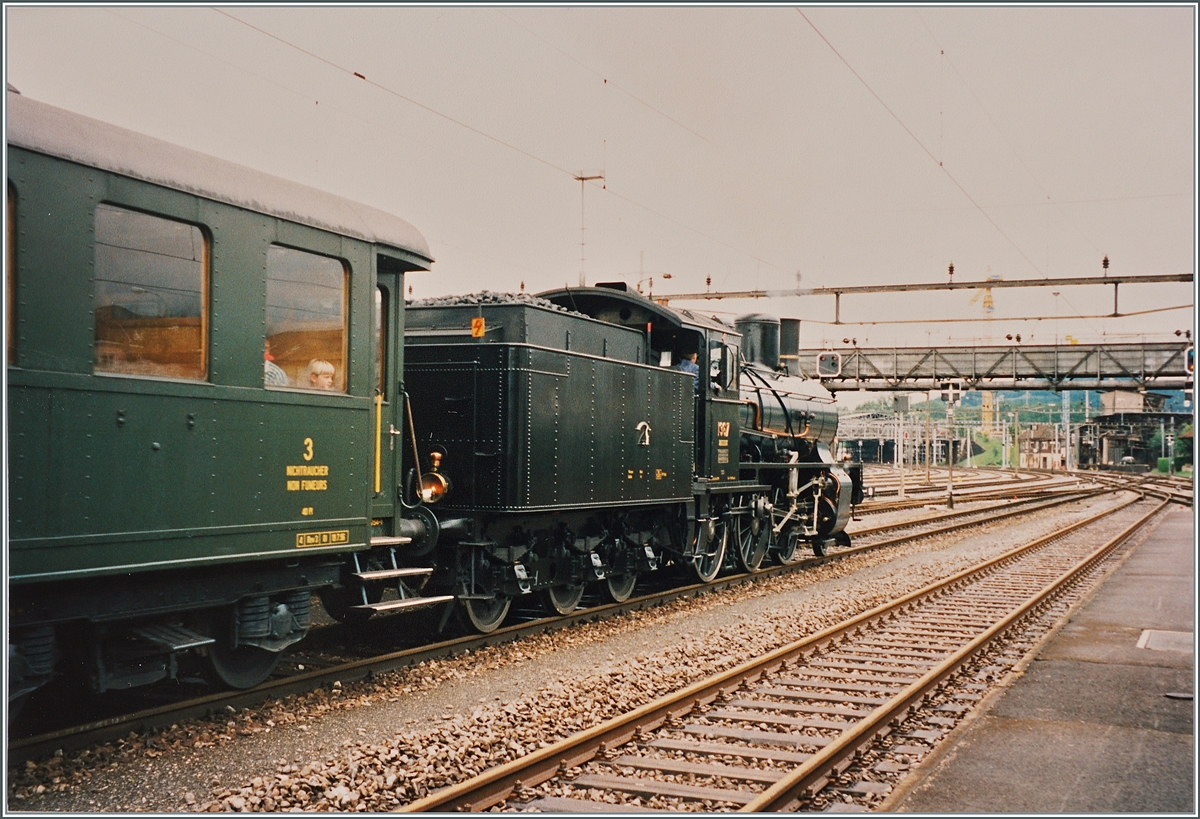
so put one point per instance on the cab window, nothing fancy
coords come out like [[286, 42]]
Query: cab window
[[151, 280], [723, 365], [306, 321]]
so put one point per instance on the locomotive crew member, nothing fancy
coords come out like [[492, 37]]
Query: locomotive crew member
[[689, 365]]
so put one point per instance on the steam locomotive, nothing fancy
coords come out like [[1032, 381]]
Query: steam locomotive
[[219, 406], [561, 444]]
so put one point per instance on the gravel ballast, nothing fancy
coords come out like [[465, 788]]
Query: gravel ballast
[[374, 745]]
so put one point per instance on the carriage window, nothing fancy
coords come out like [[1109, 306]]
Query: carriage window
[[381, 331], [151, 280], [306, 321], [11, 250]]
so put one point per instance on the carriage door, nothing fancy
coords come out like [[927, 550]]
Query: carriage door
[[388, 415]]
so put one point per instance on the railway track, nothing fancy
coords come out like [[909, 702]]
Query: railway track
[[770, 734], [306, 672], [970, 485]]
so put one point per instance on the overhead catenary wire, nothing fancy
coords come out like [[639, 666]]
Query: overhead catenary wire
[[995, 125], [545, 162], [607, 82], [920, 144]]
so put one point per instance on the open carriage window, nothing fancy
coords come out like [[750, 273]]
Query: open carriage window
[[151, 280], [306, 321], [11, 277]]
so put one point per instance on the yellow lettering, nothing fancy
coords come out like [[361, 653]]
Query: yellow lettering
[[293, 486], [306, 511], [308, 539], [306, 470], [308, 449], [313, 486]]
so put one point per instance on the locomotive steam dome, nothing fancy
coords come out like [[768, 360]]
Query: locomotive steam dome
[[760, 339]]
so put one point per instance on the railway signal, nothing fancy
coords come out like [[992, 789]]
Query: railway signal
[[949, 393], [829, 365]]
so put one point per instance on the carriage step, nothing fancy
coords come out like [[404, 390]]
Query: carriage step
[[399, 540], [175, 638], [406, 603], [391, 574]]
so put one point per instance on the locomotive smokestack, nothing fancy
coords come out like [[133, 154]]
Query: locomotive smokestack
[[760, 339]]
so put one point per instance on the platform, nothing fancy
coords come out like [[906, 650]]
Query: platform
[[1102, 720]]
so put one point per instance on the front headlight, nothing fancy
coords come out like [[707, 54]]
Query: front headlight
[[434, 487]]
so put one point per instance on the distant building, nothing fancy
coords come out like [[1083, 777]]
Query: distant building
[[1125, 401], [1041, 448], [1122, 440]]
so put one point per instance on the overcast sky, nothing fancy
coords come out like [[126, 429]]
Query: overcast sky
[[749, 145]]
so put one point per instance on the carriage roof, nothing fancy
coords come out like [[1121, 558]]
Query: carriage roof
[[56, 132]]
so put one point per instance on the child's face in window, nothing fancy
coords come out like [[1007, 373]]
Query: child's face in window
[[321, 381]]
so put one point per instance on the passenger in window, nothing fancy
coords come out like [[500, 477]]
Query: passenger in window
[[320, 375], [273, 374]]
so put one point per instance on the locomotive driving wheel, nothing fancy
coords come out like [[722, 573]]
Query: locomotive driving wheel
[[620, 587], [751, 532], [486, 614], [711, 540], [563, 598]]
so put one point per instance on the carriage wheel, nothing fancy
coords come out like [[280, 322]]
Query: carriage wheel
[[750, 535], [563, 598], [620, 587], [241, 667], [710, 552], [339, 603], [486, 615]]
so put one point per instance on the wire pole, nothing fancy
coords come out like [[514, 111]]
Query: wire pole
[[583, 179]]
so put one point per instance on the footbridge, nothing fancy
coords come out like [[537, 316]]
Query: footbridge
[[1136, 366]]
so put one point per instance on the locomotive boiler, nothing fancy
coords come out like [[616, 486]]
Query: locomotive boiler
[[573, 445]]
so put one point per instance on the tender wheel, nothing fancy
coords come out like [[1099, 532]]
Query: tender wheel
[[710, 552], [788, 548], [486, 615], [751, 537], [620, 587], [563, 599], [241, 667], [818, 546]]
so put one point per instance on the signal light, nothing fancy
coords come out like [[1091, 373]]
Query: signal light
[[829, 365]]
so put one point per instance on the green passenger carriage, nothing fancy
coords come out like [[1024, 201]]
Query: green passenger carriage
[[204, 368]]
